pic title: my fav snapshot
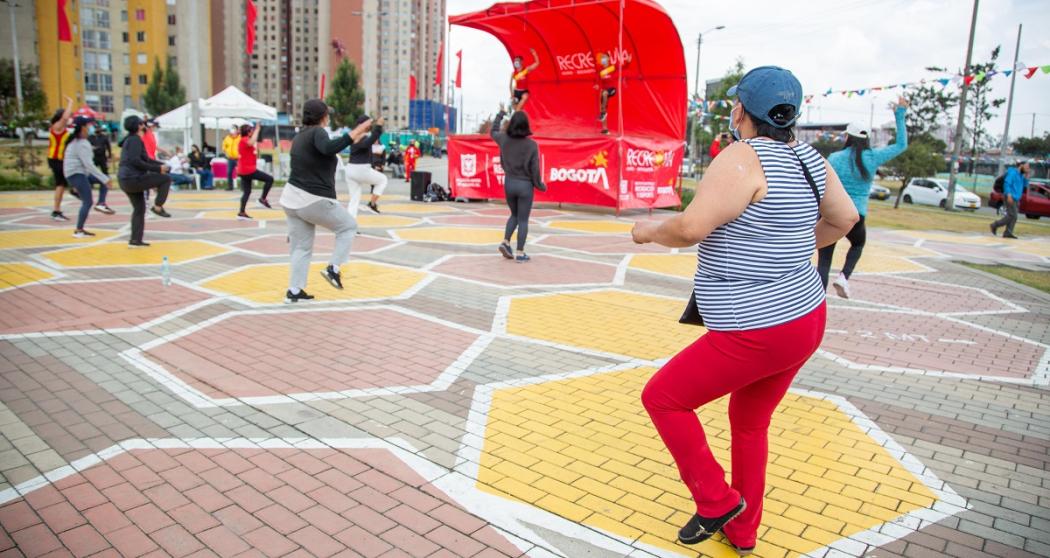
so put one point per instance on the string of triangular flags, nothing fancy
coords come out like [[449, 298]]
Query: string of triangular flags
[[706, 106]]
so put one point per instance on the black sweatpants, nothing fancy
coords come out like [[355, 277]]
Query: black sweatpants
[[246, 186], [135, 189], [519, 198], [857, 236]]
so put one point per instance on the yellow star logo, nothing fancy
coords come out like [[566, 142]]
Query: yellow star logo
[[600, 159]]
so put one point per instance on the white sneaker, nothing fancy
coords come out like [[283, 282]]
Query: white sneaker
[[841, 285]]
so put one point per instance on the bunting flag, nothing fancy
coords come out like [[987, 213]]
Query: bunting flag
[[967, 80], [1031, 72], [979, 77], [249, 30], [1007, 72], [1046, 69], [459, 69], [944, 82], [440, 66], [65, 32]]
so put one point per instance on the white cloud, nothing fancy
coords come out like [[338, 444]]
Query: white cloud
[[827, 43]]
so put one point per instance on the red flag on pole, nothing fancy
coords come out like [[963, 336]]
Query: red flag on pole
[[441, 57], [249, 33], [411, 87], [459, 69], [65, 32], [321, 95]]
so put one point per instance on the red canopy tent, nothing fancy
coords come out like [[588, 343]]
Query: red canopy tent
[[88, 112], [637, 164]]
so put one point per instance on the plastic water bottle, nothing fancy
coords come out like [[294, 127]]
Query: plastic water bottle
[[165, 272]]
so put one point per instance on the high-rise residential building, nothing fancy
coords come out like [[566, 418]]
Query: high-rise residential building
[[115, 46], [340, 35]]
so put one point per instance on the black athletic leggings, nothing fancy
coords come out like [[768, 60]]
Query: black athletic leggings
[[246, 186], [857, 236], [136, 190], [519, 198]]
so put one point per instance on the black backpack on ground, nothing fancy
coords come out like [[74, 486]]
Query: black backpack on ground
[[435, 193]]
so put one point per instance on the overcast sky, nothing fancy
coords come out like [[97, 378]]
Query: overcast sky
[[842, 44]]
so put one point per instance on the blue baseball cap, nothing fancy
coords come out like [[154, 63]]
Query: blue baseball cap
[[766, 87]]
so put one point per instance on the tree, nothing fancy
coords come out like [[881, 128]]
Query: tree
[[1033, 147], [165, 91], [924, 157], [346, 97], [826, 146], [717, 118], [34, 101], [930, 106], [981, 105], [174, 92]]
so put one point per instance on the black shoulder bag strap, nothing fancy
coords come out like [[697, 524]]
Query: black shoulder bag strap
[[691, 315]]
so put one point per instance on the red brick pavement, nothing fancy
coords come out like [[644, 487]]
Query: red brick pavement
[[922, 295], [601, 244], [305, 352], [277, 244]]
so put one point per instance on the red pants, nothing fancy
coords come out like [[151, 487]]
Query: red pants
[[410, 166], [756, 367]]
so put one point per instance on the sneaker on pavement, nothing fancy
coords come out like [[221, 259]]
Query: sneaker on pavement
[[1009, 235], [841, 285], [700, 528], [522, 258], [374, 207], [333, 277], [290, 298], [242, 216], [995, 229], [157, 210], [103, 208], [58, 216], [138, 244], [82, 234], [264, 203], [506, 250]]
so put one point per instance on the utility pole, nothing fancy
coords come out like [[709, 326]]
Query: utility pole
[[698, 120], [1009, 106], [949, 203], [14, 48]]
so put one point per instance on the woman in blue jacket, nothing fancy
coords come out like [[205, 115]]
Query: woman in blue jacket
[[856, 165]]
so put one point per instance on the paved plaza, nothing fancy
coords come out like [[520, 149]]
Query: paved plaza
[[449, 402]]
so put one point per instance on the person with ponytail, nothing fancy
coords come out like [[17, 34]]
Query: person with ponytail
[[856, 166]]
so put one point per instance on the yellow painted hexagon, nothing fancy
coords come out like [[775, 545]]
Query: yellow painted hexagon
[[1039, 248], [593, 226], [610, 321], [256, 214], [26, 199], [114, 254], [585, 449], [384, 221], [15, 274], [678, 265], [881, 257], [266, 284], [417, 208], [954, 238], [453, 235], [48, 237]]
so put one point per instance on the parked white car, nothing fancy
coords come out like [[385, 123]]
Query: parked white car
[[934, 191]]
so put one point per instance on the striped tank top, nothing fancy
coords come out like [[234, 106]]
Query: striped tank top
[[755, 271]]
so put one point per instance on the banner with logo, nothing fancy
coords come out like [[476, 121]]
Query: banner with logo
[[602, 171]]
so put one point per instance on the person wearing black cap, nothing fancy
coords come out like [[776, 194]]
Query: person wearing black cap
[[1015, 183], [309, 199], [101, 153], [248, 170], [360, 173], [138, 174], [763, 206], [56, 149], [80, 171]]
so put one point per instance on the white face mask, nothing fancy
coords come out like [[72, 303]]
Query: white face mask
[[734, 129], [517, 64]]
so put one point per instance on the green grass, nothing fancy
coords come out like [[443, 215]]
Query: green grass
[[1035, 279]]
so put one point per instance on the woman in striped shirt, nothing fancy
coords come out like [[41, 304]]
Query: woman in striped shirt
[[765, 204]]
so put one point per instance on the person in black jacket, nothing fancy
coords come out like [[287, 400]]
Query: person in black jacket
[[520, 158], [360, 173], [309, 199], [137, 174]]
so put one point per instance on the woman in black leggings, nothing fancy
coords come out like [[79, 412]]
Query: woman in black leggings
[[520, 158], [137, 174], [248, 171]]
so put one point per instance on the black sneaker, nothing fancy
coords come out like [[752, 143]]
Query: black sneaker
[[373, 206], [242, 216], [160, 211], [995, 229], [138, 244], [264, 203], [1009, 235], [58, 216], [522, 258], [699, 529], [290, 298], [333, 277], [506, 250]]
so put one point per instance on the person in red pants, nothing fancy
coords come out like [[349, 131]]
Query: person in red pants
[[412, 154], [765, 204]]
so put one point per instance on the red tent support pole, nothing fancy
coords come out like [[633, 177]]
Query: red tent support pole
[[619, 107]]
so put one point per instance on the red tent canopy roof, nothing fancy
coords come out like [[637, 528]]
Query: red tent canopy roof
[[645, 47]]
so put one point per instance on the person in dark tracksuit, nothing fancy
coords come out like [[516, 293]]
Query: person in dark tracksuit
[[520, 158], [137, 174]]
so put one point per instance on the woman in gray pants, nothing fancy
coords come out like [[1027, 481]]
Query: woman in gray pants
[[520, 158], [309, 199]]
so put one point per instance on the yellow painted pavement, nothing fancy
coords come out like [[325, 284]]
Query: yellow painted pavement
[[201, 204], [453, 235], [266, 284], [678, 265], [384, 221], [48, 237], [611, 321], [257, 214], [15, 274], [417, 208], [881, 257], [585, 449], [117, 253], [603, 227]]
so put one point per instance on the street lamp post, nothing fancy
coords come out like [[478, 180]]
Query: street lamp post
[[698, 121]]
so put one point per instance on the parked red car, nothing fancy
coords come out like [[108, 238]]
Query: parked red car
[[1035, 203]]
